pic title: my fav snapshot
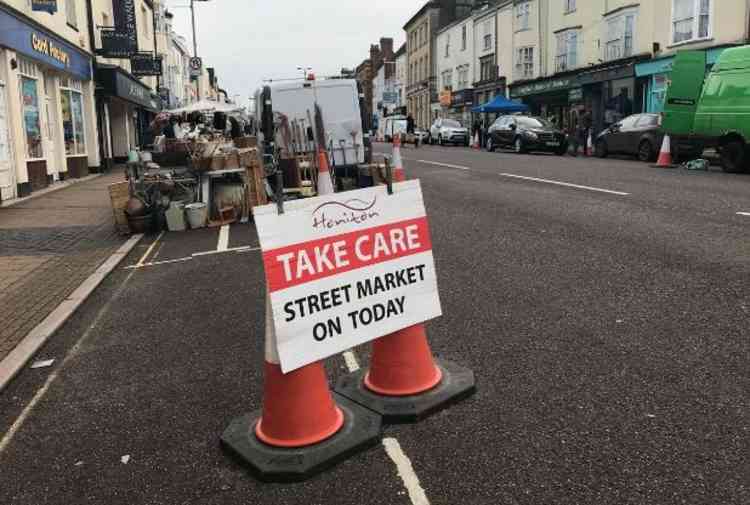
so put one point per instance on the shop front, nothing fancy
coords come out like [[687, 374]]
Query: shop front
[[611, 92], [47, 116], [461, 104], [656, 74], [558, 98], [128, 106]]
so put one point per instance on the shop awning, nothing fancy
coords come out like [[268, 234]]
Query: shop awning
[[207, 106], [501, 104], [117, 82]]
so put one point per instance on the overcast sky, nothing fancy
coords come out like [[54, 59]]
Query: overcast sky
[[248, 41]]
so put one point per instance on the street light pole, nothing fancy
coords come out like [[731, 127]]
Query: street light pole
[[192, 15]]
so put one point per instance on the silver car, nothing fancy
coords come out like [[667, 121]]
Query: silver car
[[448, 131]]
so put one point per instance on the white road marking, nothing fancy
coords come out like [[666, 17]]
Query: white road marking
[[566, 184], [19, 422], [233, 249], [744, 214], [191, 257], [406, 472], [223, 244], [448, 165], [156, 263], [351, 361], [150, 248]]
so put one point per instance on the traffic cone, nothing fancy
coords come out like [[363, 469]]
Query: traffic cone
[[325, 184], [475, 143], [299, 412], [590, 145], [398, 164], [665, 154], [404, 382]]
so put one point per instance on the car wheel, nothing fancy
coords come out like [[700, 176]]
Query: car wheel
[[600, 149], [646, 151], [518, 146], [490, 145], [733, 156]]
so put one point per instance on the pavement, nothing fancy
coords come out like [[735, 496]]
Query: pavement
[[48, 245], [602, 305]]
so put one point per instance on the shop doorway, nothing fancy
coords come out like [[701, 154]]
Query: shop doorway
[[49, 112], [6, 175]]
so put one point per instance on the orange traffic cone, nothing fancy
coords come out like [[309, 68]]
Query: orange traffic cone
[[404, 382], [665, 154], [325, 184], [398, 163], [590, 145], [299, 412], [475, 142]]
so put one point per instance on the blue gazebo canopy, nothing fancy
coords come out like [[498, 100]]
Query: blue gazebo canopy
[[502, 105]]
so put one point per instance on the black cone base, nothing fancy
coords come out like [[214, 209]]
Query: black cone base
[[457, 383], [361, 429]]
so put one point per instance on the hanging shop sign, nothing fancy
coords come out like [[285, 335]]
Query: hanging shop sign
[[145, 64], [115, 45], [346, 269], [123, 12], [390, 97], [445, 98], [44, 6], [37, 44]]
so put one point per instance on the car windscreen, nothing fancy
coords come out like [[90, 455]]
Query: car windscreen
[[534, 122], [451, 123]]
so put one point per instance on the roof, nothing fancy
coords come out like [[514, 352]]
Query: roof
[[401, 50], [421, 12]]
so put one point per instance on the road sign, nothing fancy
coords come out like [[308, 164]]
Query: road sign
[[196, 66], [347, 268]]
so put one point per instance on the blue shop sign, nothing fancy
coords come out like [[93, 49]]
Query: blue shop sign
[[41, 46]]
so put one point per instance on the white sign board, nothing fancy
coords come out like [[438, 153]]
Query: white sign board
[[347, 268]]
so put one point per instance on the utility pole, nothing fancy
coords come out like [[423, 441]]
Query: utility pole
[[195, 51]]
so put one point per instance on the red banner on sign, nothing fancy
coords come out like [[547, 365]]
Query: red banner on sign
[[310, 261]]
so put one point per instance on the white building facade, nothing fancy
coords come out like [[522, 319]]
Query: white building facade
[[48, 129], [455, 69]]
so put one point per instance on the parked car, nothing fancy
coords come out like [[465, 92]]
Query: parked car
[[422, 135], [641, 135], [712, 110], [448, 131], [526, 133]]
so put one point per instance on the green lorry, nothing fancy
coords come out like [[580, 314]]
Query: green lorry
[[712, 110]]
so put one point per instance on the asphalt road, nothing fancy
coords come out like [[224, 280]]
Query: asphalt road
[[606, 320]]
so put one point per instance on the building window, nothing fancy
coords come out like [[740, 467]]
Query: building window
[[447, 45], [522, 16], [463, 76], [487, 69], [448, 79], [487, 28], [691, 20], [72, 116], [620, 35], [70, 13], [463, 38], [32, 123], [567, 51], [146, 23], [524, 62], [569, 6]]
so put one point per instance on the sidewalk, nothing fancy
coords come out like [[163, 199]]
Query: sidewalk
[[48, 246]]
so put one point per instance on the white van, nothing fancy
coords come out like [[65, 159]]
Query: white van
[[338, 100]]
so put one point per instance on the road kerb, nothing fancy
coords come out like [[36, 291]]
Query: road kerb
[[37, 337]]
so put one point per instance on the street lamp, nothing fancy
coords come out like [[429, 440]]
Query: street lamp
[[192, 15]]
